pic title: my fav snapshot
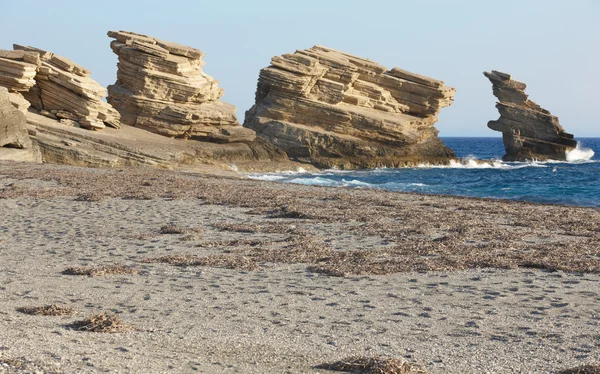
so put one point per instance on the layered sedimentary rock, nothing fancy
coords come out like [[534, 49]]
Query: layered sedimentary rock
[[62, 89], [18, 69], [131, 146], [17, 74], [333, 109], [161, 87], [529, 132]]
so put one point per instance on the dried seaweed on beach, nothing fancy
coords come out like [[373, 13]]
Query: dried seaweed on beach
[[103, 322], [100, 271], [235, 243], [298, 249], [374, 365], [585, 369], [222, 261], [91, 197], [172, 229], [431, 233], [23, 365], [286, 211], [47, 310]]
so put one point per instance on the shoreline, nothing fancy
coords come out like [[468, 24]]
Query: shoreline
[[282, 277]]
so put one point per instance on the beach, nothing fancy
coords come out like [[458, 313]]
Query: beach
[[224, 274]]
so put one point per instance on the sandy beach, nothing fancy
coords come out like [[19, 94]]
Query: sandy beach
[[222, 274]]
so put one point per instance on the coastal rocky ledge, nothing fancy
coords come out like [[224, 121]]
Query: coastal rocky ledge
[[161, 87], [333, 109], [529, 132]]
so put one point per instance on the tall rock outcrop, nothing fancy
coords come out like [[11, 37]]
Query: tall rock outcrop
[[333, 109], [529, 132], [64, 90], [161, 87]]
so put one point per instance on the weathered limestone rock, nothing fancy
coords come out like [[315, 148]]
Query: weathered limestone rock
[[17, 74], [63, 89], [131, 146], [161, 87], [529, 132], [333, 109], [18, 69], [13, 124]]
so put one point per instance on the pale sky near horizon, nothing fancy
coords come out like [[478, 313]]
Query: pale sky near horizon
[[552, 45]]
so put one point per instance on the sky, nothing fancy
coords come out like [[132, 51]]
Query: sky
[[552, 45]]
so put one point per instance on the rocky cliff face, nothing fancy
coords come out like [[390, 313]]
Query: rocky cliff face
[[161, 87], [529, 132], [333, 109]]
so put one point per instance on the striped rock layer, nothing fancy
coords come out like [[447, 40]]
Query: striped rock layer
[[529, 132], [161, 87], [333, 109], [56, 86]]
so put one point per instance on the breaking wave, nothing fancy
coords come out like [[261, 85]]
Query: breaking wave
[[580, 154], [471, 162]]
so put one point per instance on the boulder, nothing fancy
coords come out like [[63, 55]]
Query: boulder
[[529, 132], [13, 124], [63, 89], [161, 88], [333, 109]]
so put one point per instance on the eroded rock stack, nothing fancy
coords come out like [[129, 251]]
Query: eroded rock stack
[[333, 109], [161, 87], [64, 90], [529, 132]]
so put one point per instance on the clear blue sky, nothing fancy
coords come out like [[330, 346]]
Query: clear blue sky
[[552, 45]]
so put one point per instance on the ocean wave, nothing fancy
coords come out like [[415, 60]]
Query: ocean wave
[[474, 163], [321, 181], [279, 175], [580, 154]]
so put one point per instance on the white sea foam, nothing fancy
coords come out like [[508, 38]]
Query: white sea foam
[[267, 177], [316, 181], [580, 154], [474, 163]]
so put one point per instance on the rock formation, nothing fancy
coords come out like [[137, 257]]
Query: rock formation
[[17, 74], [13, 124], [333, 109], [15, 140], [131, 146], [529, 132], [18, 69], [161, 87], [64, 90]]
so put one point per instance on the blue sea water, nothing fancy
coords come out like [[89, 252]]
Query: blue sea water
[[575, 182]]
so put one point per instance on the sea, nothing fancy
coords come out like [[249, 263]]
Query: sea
[[572, 182]]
